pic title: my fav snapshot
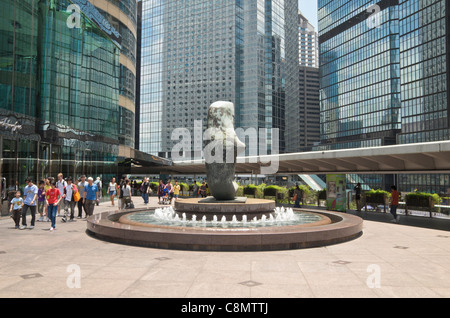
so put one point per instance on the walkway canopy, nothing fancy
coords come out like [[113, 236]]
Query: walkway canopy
[[432, 157]]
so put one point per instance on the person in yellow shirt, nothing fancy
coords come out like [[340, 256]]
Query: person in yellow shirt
[[176, 190]]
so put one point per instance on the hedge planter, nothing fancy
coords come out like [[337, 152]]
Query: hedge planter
[[250, 190], [421, 201], [376, 198], [273, 191]]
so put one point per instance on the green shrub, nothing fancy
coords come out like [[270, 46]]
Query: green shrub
[[272, 190], [191, 186], [421, 199], [306, 190], [240, 191], [184, 187], [376, 196], [250, 189], [154, 185]]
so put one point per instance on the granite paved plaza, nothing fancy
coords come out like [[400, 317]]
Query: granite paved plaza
[[388, 260]]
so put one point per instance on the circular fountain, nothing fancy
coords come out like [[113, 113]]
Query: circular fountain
[[284, 228], [224, 222]]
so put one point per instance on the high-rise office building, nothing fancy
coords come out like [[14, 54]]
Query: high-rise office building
[[309, 108], [425, 83], [197, 52], [59, 82], [360, 74], [303, 123], [308, 43], [424, 65], [384, 78]]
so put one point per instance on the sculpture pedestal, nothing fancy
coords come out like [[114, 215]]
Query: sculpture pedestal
[[210, 206], [214, 200]]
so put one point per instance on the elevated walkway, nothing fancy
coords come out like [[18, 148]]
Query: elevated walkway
[[430, 157]]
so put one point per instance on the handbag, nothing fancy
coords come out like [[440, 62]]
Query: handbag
[[76, 196], [294, 198]]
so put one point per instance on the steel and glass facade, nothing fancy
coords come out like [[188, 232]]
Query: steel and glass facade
[[384, 77], [122, 15], [197, 52], [424, 71], [59, 84], [360, 74], [424, 63]]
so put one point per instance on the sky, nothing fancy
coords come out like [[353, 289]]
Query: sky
[[309, 10]]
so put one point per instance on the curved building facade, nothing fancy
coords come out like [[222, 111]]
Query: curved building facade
[[67, 87], [122, 15], [59, 83]]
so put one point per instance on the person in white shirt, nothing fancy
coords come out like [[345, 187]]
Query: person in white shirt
[[112, 190], [60, 185], [68, 194]]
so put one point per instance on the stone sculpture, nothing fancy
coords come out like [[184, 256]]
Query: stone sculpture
[[222, 148]]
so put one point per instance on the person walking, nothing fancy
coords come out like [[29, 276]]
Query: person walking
[[298, 194], [112, 190], [61, 184], [126, 192], [120, 192], [161, 188], [41, 200], [195, 190], [90, 196], [169, 187], [16, 209], [81, 204], [47, 187], [394, 203], [69, 191], [358, 196], [145, 187], [203, 189], [29, 202], [54, 197], [176, 190], [98, 182]]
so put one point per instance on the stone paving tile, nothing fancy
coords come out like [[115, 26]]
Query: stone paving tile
[[273, 290], [115, 270], [218, 290]]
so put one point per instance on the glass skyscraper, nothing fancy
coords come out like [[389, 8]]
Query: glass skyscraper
[[360, 74], [424, 63], [424, 71], [59, 87], [197, 52], [384, 77]]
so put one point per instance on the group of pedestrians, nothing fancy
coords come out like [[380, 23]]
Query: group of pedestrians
[[167, 192], [50, 196]]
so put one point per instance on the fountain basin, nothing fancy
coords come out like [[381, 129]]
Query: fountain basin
[[333, 227], [210, 207]]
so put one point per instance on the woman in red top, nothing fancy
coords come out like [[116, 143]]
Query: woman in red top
[[53, 196], [394, 203]]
